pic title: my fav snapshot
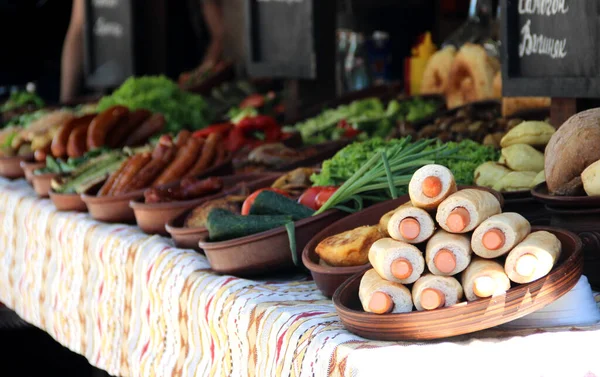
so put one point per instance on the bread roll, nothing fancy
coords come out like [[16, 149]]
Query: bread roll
[[411, 225], [534, 133], [396, 261], [380, 296], [523, 157], [498, 235], [489, 173], [471, 76], [464, 210], [539, 178], [484, 278], [433, 292], [430, 185], [572, 148], [437, 71], [447, 254], [515, 181], [385, 219], [349, 248], [533, 258], [591, 179], [512, 105]]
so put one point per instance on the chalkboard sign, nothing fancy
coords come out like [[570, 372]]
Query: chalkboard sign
[[550, 48], [109, 43], [281, 38]]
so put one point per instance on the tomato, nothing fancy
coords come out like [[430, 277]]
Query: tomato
[[315, 197], [324, 195], [308, 197], [252, 197]]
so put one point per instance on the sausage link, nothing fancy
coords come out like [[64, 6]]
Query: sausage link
[[133, 167], [60, 140], [153, 169], [76, 146], [103, 124], [183, 161], [108, 185], [151, 126], [126, 127], [208, 154]]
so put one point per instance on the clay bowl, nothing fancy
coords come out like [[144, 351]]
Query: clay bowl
[[329, 278], [116, 209], [541, 193], [67, 202], [42, 183], [189, 238], [110, 208], [30, 167], [464, 318], [10, 167], [151, 218], [264, 252]]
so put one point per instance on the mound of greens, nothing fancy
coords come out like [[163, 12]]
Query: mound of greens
[[159, 94], [464, 159], [21, 98], [368, 115]]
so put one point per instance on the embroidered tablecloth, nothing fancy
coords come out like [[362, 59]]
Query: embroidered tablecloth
[[134, 305]]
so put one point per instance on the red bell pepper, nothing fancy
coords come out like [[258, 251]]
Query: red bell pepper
[[221, 128], [350, 132], [315, 197]]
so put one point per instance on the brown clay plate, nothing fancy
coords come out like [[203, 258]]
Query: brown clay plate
[[264, 252], [189, 238], [151, 218], [10, 167], [30, 167], [67, 202], [329, 278], [116, 209], [42, 183], [464, 318], [541, 193]]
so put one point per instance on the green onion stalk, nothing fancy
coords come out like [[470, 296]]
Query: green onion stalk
[[386, 171]]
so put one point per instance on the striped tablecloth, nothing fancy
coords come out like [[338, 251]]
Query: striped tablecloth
[[134, 305]]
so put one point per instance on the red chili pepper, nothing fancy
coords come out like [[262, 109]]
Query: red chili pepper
[[221, 128]]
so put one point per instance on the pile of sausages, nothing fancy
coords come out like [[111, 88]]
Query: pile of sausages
[[115, 127], [169, 162]]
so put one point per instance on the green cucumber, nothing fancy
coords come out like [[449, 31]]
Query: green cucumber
[[224, 225], [80, 183], [271, 203]]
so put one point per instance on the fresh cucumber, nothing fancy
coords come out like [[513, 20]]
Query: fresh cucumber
[[80, 183], [224, 225], [271, 203]]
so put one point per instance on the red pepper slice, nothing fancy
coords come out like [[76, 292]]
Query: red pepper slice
[[215, 128], [252, 197], [308, 197]]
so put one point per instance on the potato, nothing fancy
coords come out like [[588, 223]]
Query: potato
[[350, 248], [572, 149], [515, 181], [539, 178], [533, 133], [488, 173], [523, 157], [591, 179]]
